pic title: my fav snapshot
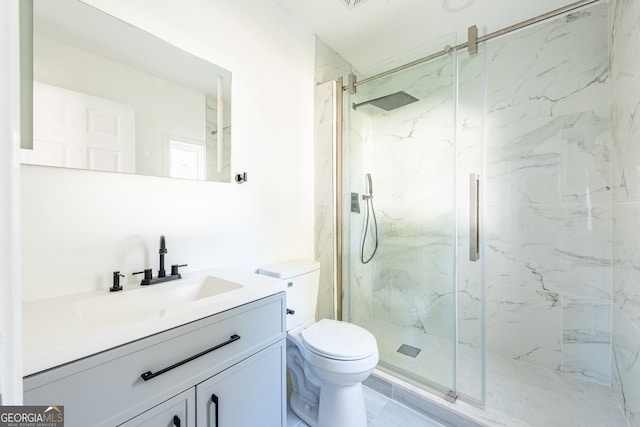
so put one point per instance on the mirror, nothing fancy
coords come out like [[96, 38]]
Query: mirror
[[109, 96]]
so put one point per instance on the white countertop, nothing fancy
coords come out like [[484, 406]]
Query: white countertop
[[60, 330]]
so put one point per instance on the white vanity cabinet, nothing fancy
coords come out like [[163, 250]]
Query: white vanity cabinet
[[245, 395], [168, 379], [179, 411]]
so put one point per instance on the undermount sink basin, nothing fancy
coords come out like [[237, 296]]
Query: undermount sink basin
[[152, 301]]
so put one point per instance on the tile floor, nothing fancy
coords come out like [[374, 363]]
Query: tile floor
[[518, 393], [381, 412]]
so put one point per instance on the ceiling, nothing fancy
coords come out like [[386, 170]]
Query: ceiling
[[376, 30]]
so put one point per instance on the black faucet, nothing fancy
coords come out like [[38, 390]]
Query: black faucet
[[162, 274], [162, 251]]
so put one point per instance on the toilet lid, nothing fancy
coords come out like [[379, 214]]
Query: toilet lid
[[339, 340]]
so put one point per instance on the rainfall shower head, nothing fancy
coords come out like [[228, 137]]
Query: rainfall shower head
[[389, 102]]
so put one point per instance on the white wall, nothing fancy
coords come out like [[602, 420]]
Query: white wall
[[79, 226], [10, 310]]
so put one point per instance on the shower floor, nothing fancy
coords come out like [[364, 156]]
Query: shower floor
[[517, 393]]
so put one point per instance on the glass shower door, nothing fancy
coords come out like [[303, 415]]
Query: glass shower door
[[399, 218]]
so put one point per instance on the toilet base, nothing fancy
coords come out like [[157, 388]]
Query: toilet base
[[306, 411], [339, 406]]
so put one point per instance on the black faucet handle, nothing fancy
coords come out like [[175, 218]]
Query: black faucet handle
[[115, 287], [174, 269], [148, 273]]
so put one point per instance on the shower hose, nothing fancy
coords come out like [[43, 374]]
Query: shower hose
[[370, 212]]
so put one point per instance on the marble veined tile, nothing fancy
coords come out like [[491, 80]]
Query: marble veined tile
[[432, 81], [561, 66], [396, 415], [543, 397], [324, 195], [415, 300], [374, 402], [626, 252], [586, 338], [564, 159], [524, 324], [626, 366], [469, 311], [559, 248], [419, 251], [518, 393], [625, 99], [625, 130]]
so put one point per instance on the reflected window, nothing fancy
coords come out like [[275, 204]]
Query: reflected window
[[187, 159]]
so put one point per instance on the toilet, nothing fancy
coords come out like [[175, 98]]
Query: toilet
[[327, 360]]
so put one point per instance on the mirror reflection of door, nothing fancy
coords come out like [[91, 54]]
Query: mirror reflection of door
[[76, 130]]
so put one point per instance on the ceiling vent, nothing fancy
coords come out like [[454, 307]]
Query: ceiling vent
[[352, 3]]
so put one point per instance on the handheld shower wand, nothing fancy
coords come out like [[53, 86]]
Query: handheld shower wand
[[368, 186], [370, 211]]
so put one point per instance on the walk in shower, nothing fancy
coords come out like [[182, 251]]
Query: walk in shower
[[507, 148], [401, 137]]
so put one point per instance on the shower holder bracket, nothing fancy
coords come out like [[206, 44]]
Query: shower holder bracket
[[351, 86], [472, 36]]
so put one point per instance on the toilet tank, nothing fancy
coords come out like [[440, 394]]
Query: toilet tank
[[303, 278]]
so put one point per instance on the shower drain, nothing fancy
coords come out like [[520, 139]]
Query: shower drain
[[409, 350]]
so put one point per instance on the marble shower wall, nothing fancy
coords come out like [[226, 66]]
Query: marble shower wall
[[410, 153], [329, 66], [625, 132], [547, 199], [552, 109], [324, 205]]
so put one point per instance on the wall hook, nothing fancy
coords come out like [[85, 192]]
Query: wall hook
[[241, 178]]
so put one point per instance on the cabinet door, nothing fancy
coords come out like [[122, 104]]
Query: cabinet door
[[248, 394], [179, 411]]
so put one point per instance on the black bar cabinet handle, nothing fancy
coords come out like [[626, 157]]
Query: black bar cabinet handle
[[148, 375], [214, 399], [176, 421]]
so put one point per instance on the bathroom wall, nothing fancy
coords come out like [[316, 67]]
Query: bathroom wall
[[548, 215], [80, 226], [10, 292], [625, 160]]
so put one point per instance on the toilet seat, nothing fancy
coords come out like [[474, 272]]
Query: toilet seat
[[339, 340]]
